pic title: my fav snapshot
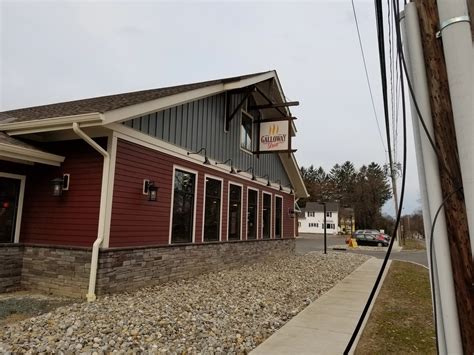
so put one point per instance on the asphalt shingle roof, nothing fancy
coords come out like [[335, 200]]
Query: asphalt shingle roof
[[6, 139], [103, 104]]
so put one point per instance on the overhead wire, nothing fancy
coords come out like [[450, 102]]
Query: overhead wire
[[367, 78], [378, 9]]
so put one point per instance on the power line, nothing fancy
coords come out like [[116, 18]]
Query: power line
[[367, 77]]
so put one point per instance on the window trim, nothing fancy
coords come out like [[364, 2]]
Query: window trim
[[271, 214], [241, 206], [180, 167], [204, 205], [19, 207], [282, 222], [244, 112], [247, 211]]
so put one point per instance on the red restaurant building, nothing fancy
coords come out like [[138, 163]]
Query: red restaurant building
[[123, 191]]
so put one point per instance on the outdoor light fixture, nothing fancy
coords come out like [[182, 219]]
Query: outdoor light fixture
[[268, 179], [279, 183], [232, 170], [60, 184], [206, 160], [249, 169], [150, 189]]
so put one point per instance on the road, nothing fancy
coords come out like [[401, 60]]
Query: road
[[315, 242]]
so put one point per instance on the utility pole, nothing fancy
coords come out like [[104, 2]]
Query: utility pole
[[449, 169], [325, 241]]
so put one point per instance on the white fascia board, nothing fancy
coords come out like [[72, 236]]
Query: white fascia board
[[291, 168], [133, 111], [30, 156], [51, 124]]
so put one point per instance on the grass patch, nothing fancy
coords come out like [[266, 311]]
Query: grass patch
[[414, 244], [402, 318]]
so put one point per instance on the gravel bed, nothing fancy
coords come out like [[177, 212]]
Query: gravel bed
[[228, 312]]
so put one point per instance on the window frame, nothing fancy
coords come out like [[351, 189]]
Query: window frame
[[328, 214], [271, 212], [19, 207], [282, 221], [191, 171], [204, 206], [241, 207], [247, 211], [244, 112]]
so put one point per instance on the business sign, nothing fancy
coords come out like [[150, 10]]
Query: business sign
[[274, 136]]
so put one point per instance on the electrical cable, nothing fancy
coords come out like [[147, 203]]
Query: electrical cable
[[435, 315], [367, 75], [397, 221]]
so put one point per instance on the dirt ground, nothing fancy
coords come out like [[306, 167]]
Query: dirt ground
[[18, 306]]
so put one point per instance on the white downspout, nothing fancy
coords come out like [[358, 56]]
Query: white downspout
[[102, 209], [458, 54]]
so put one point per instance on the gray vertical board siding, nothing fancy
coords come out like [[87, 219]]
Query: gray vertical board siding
[[201, 123]]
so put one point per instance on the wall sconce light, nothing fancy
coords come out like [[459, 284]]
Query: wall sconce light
[[268, 179], [150, 189], [60, 184], [249, 169], [279, 183], [206, 160], [232, 170]]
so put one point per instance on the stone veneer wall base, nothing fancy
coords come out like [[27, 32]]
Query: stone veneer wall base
[[65, 271], [133, 268]]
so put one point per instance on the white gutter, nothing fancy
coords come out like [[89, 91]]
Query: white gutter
[[458, 54], [102, 210], [444, 283]]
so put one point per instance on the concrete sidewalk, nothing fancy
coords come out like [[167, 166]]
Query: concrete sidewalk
[[326, 325]]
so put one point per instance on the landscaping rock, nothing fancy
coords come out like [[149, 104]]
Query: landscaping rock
[[231, 311]]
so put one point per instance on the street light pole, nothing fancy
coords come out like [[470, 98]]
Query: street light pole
[[325, 242]]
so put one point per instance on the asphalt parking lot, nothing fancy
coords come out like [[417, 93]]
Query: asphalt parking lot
[[315, 242]]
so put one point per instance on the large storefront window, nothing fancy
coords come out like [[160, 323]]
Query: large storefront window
[[252, 213], [267, 216], [235, 208], [212, 210], [278, 216], [9, 196], [183, 207]]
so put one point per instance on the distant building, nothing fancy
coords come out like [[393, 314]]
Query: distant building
[[346, 220], [311, 218]]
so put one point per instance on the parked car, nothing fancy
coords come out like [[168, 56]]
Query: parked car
[[372, 239]]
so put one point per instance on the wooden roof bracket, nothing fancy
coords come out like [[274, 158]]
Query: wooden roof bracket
[[229, 116]]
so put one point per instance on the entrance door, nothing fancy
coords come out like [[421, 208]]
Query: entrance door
[[9, 199]]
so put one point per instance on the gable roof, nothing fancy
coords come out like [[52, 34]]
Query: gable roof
[[107, 103], [318, 207]]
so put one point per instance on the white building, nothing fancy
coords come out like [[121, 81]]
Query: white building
[[311, 218]]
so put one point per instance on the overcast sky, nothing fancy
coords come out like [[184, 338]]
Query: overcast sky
[[58, 51]]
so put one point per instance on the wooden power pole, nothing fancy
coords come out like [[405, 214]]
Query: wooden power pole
[[449, 169]]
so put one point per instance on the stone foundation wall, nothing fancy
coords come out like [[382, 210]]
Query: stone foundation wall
[[58, 270], [11, 257], [132, 268], [65, 270]]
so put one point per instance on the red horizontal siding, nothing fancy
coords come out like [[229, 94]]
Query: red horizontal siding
[[137, 221], [71, 219]]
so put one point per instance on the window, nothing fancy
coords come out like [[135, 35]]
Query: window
[[183, 207], [278, 216], [310, 214], [317, 225], [212, 210], [330, 226], [328, 214], [267, 216], [235, 208], [252, 213], [246, 131]]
